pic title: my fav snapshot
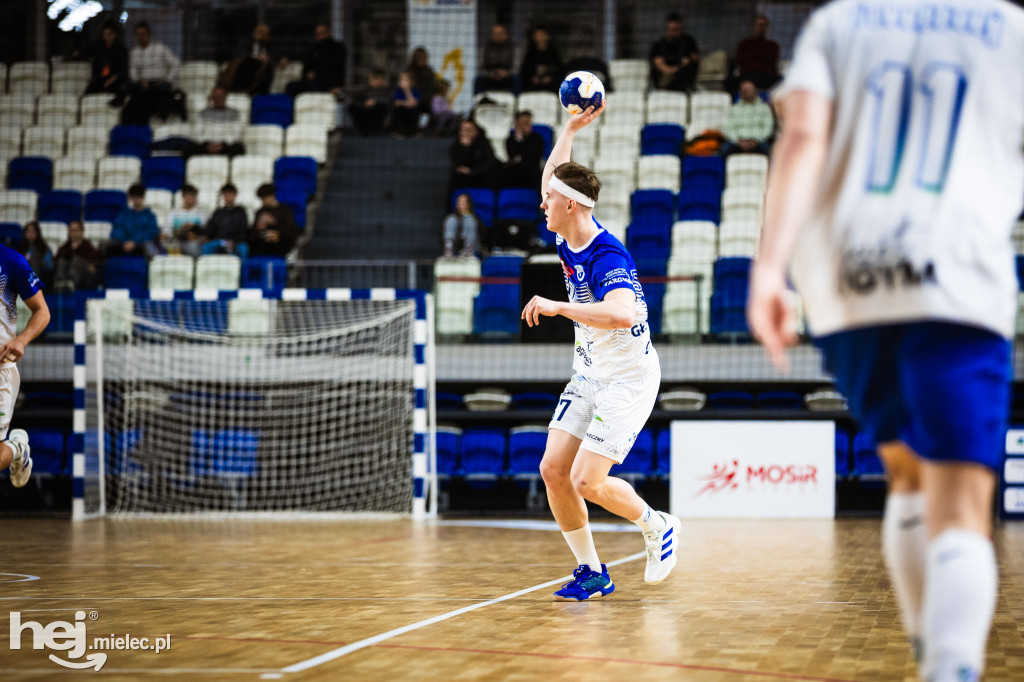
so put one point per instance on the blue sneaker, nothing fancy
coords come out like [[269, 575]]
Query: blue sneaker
[[587, 584]]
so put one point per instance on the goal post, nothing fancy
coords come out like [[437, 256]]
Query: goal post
[[245, 402]]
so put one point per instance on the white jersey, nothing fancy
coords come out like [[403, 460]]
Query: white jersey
[[924, 174]]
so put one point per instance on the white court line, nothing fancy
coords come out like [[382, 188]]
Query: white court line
[[92, 599], [376, 639], [138, 671], [537, 525]]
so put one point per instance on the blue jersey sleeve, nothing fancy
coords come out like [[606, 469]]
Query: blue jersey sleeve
[[611, 270], [25, 282]]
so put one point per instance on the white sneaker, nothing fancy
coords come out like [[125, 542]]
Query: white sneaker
[[21, 466], [662, 549]]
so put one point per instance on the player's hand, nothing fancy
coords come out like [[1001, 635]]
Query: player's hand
[[12, 350], [771, 317], [588, 116], [538, 306]]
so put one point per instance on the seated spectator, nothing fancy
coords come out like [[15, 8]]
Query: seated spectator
[[37, 252], [749, 125], [323, 67], [423, 77], [444, 121], [228, 227], [499, 53], [461, 225], [135, 231], [77, 261], [153, 70], [757, 58], [525, 150], [252, 70], [369, 108], [109, 62], [183, 232], [273, 231], [542, 65], [405, 103], [220, 128], [675, 58], [473, 162]]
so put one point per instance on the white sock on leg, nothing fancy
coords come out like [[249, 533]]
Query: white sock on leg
[[904, 545], [959, 602], [581, 542], [650, 519]]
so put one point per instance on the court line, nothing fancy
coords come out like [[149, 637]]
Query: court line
[[376, 639], [138, 671]]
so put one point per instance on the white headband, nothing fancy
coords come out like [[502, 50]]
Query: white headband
[[567, 191]]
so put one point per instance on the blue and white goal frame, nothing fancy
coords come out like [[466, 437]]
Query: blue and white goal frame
[[424, 458]]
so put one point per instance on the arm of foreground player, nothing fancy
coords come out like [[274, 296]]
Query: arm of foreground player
[[797, 162], [616, 311], [15, 348], [561, 152]]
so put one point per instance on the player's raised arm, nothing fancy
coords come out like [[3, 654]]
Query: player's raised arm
[[561, 152]]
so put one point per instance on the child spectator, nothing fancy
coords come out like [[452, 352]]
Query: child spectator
[[369, 108], [135, 231], [226, 231], [444, 120], [77, 260], [183, 232], [405, 101], [273, 232]]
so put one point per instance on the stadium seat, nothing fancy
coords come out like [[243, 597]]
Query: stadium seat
[[301, 139], [654, 206], [97, 231], [628, 115], [249, 316], [131, 140], [160, 200], [615, 171], [661, 138], [285, 75], [780, 400], [543, 105], [118, 172], [728, 314], [502, 266], [700, 204], [198, 76], [207, 172], [658, 172], [43, 141], [249, 172], [668, 107], [297, 173], [70, 77], [866, 463], [18, 205], [105, 204], [87, 143], [619, 139], [60, 205], [843, 469], [230, 453], [295, 199], [730, 400], [745, 170], [483, 453], [703, 171], [448, 401], [526, 446], [79, 175], [163, 172], [10, 235], [518, 204], [534, 400], [708, 111], [714, 67], [447, 440], [629, 75], [48, 452], [639, 463], [272, 110], [263, 140], [646, 240], [30, 172], [494, 119], [125, 272], [171, 272], [496, 311], [483, 202], [54, 232], [663, 453], [652, 272], [218, 271], [317, 109], [59, 111], [457, 282], [3, 78], [17, 111], [266, 273], [29, 78], [731, 275]]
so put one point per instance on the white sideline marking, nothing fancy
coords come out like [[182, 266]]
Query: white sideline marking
[[138, 671], [376, 639]]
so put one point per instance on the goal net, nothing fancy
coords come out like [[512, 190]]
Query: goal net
[[251, 406]]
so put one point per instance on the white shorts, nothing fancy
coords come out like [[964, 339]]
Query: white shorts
[[10, 383], [606, 417]]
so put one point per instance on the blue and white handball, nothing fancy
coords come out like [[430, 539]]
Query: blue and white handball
[[579, 90]]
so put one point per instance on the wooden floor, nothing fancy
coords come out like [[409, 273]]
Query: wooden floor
[[322, 600]]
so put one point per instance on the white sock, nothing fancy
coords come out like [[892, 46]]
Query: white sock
[[650, 519], [581, 542], [16, 451], [904, 545], [961, 580]]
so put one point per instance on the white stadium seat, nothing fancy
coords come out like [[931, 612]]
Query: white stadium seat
[[3, 78], [160, 199], [171, 272], [198, 77], [543, 105], [118, 172], [57, 110], [208, 173], [74, 173], [658, 171], [249, 316], [97, 231], [494, 119], [455, 298], [249, 172], [219, 271], [71, 77], [54, 232], [629, 117], [43, 141], [17, 202], [746, 170], [617, 170], [502, 98], [629, 75], [106, 118], [665, 106], [242, 103], [316, 108], [17, 110], [87, 143], [282, 77], [306, 140], [263, 140], [614, 139], [31, 78], [713, 69]]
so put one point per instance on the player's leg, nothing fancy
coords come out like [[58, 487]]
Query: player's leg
[[14, 451]]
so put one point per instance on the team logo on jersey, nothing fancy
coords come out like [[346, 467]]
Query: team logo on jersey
[[887, 265], [579, 273]]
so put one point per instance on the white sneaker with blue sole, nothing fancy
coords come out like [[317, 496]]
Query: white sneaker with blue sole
[[662, 549]]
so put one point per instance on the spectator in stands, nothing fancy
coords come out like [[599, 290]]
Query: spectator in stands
[[76, 261], [37, 252], [461, 225], [109, 62], [757, 58], [675, 57], [273, 231], [153, 70], [497, 63], [227, 228], [323, 67], [542, 65], [444, 121], [135, 231], [423, 77], [220, 127], [369, 108], [749, 125], [405, 106], [183, 232], [473, 162], [525, 150], [252, 70]]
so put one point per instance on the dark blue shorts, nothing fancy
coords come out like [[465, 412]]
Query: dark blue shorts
[[941, 388]]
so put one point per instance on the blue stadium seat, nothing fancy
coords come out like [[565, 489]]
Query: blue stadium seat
[[483, 453], [1020, 272], [700, 203], [662, 138], [61, 206], [121, 447], [496, 310], [732, 275], [105, 204], [267, 273], [546, 235], [663, 453], [164, 172], [10, 234], [652, 272], [547, 135], [297, 174], [533, 400], [448, 401], [48, 452], [654, 207], [525, 450], [483, 203], [866, 463], [204, 316], [649, 240], [447, 452], [518, 204], [62, 313], [125, 272], [131, 141], [842, 454], [730, 400], [272, 109], [296, 201], [30, 172], [502, 266], [229, 453], [704, 171], [640, 460], [783, 400], [729, 313]]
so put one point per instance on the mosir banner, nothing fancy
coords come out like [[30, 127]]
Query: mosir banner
[[447, 28], [753, 469]]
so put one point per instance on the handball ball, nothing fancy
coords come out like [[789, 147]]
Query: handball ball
[[581, 89]]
